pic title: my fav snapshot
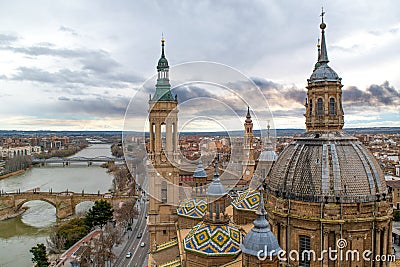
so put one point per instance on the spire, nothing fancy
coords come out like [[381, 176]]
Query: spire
[[162, 62], [162, 45], [260, 241], [163, 87], [261, 209], [216, 188], [248, 117], [268, 143], [323, 55]]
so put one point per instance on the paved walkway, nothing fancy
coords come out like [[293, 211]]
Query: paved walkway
[[66, 256]]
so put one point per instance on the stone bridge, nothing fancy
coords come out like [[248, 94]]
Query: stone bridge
[[64, 202], [68, 161]]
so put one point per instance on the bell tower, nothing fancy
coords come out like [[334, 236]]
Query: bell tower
[[248, 161], [162, 157], [324, 93]]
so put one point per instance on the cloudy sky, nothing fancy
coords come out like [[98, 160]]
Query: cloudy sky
[[75, 65]]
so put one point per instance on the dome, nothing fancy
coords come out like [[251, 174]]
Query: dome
[[247, 200], [323, 72], [200, 172], [260, 237], [327, 166], [214, 240], [216, 189], [192, 208], [162, 63]]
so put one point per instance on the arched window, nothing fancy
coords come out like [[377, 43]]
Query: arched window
[[311, 107], [164, 193], [217, 211], [320, 107], [332, 110], [163, 135]]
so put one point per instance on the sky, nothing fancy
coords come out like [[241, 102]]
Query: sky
[[76, 65]]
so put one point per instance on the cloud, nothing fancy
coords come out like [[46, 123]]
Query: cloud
[[189, 92], [280, 92], [74, 79], [7, 39], [68, 30], [375, 95]]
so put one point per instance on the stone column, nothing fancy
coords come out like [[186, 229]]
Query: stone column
[[158, 137], [385, 249], [282, 242], [176, 137], [168, 137], [378, 231], [151, 137], [337, 237], [325, 241]]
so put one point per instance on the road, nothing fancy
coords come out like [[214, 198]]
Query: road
[[139, 254]]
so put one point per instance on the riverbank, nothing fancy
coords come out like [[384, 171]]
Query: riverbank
[[14, 173], [10, 216], [20, 234]]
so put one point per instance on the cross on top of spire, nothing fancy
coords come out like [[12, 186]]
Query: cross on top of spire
[[322, 25], [322, 14]]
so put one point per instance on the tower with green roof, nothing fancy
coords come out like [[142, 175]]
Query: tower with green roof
[[163, 154]]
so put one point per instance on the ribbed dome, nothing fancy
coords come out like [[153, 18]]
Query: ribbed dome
[[327, 166], [323, 72]]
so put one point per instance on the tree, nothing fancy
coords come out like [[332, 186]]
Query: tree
[[72, 231], [116, 150], [39, 255], [55, 242], [99, 214], [127, 212], [396, 216]]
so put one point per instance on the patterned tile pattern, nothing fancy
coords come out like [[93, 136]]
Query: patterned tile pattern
[[247, 200], [214, 239], [193, 208]]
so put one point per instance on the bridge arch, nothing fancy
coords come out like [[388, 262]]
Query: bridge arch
[[83, 206], [20, 202]]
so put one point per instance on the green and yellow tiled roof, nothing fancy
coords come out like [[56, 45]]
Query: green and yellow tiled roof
[[247, 200], [214, 240], [193, 208]]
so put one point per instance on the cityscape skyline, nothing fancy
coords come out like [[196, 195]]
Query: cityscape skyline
[[75, 66]]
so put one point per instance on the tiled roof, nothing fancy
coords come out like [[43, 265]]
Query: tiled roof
[[247, 200], [214, 240], [193, 208]]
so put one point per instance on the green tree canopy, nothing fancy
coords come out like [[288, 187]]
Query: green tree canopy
[[72, 231], [39, 255], [99, 214]]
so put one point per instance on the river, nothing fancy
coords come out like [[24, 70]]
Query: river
[[19, 234]]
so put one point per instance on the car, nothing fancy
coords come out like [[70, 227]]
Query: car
[[139, 235], [142, 244], [129, 254]]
